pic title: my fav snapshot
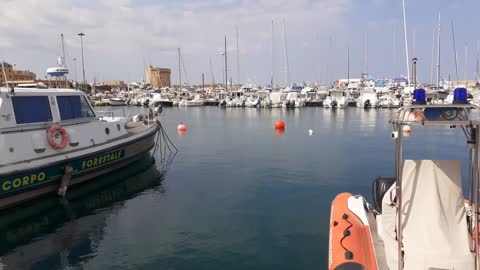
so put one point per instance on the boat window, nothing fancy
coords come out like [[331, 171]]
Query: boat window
[[29, 109], [73, 107]]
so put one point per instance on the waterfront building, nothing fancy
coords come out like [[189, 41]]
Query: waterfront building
[[15, 76], [113, 83], [157, 77]]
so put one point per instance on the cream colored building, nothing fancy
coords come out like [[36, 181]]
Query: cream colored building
[[157, 77], [15, 75], [117, 83]]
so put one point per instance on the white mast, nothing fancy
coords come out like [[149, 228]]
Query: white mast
[[272, 79], [366, 53], [285, 54], [406, 41], [179, 70], [478, 55], [394, 53], [465, 64], [433, 56], [211, 73], [438, 53], [238, 58], [330, 60]]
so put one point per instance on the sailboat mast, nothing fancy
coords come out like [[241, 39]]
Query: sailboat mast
[[285, 53], [438, 53], [433, 56], [348, 63], [179, 70], [330, 60], [273, 66], [455, 52], [238, 58], [211, 73], [465, 64], [366, 53], [478, 55], [394, 53], [226, 74], [406, 40]]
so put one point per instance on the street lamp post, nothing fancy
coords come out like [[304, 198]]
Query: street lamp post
[[83, 64], [75, 64]]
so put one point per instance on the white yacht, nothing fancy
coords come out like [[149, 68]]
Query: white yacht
[[368, 99], [293, 100], [51, 139], [277, 98], [336, 99]]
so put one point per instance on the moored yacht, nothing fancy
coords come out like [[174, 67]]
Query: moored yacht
[[368, 99], [336, 99], [51, 139]]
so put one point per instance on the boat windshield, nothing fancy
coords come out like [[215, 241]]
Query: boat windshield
[[31, 109], [74, 107]]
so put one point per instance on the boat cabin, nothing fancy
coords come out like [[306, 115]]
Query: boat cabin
[[27, 117]]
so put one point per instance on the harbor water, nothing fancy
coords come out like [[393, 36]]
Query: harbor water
[[238, 195]]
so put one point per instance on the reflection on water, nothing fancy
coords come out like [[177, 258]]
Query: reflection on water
[[240, 196], [44, 233]]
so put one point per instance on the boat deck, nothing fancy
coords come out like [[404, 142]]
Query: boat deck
[[137, 127]]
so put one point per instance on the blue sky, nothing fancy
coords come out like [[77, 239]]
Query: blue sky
[[124, 35]]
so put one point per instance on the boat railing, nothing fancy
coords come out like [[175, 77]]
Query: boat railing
[[438, 114]]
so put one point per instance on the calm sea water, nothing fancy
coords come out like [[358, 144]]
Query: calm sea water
[[238, 195]]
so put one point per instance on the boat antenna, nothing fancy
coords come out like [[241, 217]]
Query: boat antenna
[[406, 41], [455, 52], [63, 53], [438, 54]]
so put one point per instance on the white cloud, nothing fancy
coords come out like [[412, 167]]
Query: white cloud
[[120, 33]]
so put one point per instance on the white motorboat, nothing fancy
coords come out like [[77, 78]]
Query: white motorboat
[[118, 101], [368, 99], [277, 98], [51, 139], [293, 100], [335, 99]]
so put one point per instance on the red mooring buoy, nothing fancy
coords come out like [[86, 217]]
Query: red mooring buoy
[[182, 127], [279, 124]]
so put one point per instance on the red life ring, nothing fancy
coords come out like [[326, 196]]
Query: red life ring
[[51, 137]]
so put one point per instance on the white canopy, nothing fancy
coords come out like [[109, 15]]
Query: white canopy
[[435, 234]]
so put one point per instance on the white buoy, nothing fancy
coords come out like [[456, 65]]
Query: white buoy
[[310, 132], [407, 130]]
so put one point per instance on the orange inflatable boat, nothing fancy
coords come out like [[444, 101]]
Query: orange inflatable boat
[[350, 245]]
